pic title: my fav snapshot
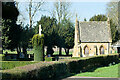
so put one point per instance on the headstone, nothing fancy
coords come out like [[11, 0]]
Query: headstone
[[40, 29], [49, 55], [6, 53], [111, 51], [29, 56], [22, 55]]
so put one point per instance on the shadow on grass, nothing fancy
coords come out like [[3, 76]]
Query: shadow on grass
[[90, 70]]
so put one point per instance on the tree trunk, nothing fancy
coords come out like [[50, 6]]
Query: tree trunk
[[60, 51], [18, 51], [67, 51], [25, 51], [50, 50], [30, 16]]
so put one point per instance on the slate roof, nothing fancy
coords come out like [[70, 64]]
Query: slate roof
[[95, 31]]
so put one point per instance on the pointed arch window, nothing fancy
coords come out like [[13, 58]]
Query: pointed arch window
[[102, 50], [86, 50]]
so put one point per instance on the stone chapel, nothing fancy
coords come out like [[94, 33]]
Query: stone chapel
[[92, 38]]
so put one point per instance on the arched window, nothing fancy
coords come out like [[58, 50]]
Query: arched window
[[101, 50], [86, 51], [96, 50], [81, 52]]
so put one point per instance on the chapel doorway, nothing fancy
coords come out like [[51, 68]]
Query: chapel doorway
[[101, 50], [86, 51]]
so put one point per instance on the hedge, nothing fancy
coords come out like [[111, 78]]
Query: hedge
[[54, 69], [38, 45], [50, 59], [2, 57]]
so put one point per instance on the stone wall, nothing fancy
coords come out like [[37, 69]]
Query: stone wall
[[94, 49]]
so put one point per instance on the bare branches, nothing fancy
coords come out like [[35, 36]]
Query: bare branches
[[31, 8], [62, 10], [37, 7], [112, 11]]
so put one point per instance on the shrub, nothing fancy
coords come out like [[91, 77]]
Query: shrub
[[38, 53], [2, 57], [38, 43], [52, 70], [48, 58]]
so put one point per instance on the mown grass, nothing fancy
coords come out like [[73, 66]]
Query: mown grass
[[1, 54], [9, 52], [12, 64], [110, 71], [31, 52]]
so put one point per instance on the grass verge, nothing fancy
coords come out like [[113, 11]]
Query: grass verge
[[110, 71], [12, 64], [31, 52]]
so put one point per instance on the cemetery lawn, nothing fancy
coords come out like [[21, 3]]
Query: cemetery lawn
[[31, 52], [110, 71], [15, 52], [13, 64]]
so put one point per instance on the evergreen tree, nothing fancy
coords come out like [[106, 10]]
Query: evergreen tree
[[66, 34], [85, 19], [10, 30], [49, 30], [99, 18]]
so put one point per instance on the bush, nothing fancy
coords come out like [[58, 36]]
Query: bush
[[52, 70], [38, 43], [49, 58], [2, 57], [38, 40], [38, 53]]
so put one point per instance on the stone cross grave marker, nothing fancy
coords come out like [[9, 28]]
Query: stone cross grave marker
[[40, 29]]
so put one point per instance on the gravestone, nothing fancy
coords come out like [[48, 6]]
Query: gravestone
[[22, 55]]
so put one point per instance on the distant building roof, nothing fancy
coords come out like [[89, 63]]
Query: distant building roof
[[95, 31]]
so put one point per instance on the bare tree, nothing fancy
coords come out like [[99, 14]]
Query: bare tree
[[61, 10], [112, 11], [33, 8], [21, 19]]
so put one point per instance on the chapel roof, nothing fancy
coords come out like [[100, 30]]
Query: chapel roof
[[95, 31]]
